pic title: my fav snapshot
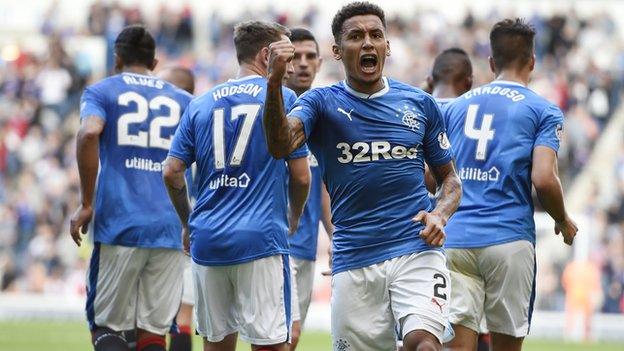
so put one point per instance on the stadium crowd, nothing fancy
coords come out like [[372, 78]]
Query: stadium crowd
[[39, 98]]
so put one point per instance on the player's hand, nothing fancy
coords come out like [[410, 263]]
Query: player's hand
[[568, 230], [280, 54], [433, 234], [327, 273], [293, 223], [186, 242], [80, 222]]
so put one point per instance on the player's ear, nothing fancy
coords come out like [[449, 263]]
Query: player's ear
[[118, 63], [532, 62], [154, 64], [387, 47], [469, 82], [264, 56], [492, 65], [428, 86], [337, 52]]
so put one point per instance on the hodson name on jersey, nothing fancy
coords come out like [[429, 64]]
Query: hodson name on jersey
[[223, 91], [240, 213]]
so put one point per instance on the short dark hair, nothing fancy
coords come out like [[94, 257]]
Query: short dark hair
[[302, 34], [353, 9], [251, 36], [135, 45], [451, 65], [511, 42]]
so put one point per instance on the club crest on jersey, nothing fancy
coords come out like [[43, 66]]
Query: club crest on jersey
[[559, 131], [443, 140], [409, 117]]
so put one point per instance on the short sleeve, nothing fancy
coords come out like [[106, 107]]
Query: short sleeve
[[301, 152], [436, 145], [550, 128], [289, 98], [307, 108], [183, 145], [92, 103]]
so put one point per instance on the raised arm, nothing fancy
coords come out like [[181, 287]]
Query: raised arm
[[87, 156], [545, 178], [283, 135], [448, 197], [298, 189], [173, 175]]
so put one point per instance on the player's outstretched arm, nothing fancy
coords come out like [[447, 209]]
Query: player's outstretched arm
[[448, 197], [173, 175], [298, 189], [283, 135], [545, 178], [87, 156]]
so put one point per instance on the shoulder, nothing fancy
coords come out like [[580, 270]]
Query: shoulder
[[105, 86], [411, 91]]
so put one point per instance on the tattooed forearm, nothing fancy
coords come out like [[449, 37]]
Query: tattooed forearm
[[450, 191], [276, 126]]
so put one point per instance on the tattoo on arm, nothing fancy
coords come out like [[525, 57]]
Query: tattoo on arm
[[283, 135], [450, 191]]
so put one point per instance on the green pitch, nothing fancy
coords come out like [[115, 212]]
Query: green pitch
[[69, 336]]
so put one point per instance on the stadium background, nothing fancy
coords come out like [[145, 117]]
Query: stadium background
[[49, 51]]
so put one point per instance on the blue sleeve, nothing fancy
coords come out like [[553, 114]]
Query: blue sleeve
[[92, 103], [301, 152], [550, 128], [436, 146], [289, 98], [183, 145], [307, 108]]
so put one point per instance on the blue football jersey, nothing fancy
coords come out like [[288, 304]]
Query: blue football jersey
[[141, 114], [443, 102], [240, 213], [494, 129], [371, 151], [303, 243]]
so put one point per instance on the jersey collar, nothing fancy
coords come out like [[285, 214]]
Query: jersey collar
[[508, 82], [253, 76], [382, 92], [443, 100]]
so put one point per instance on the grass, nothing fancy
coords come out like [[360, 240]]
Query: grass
[[69, 336]]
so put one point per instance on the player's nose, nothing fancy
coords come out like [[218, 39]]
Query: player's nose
[[367, 43]]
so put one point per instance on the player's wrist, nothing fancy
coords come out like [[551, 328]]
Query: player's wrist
[[274, 80]]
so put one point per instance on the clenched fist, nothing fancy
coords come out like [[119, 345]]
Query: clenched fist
[[281, 54]]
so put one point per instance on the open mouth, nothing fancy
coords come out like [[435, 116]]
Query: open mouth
[[368, 62]]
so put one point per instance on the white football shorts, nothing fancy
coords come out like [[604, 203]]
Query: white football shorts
[[131, 287], [251, 298], [302, 272], [374, 305], [496, 282]]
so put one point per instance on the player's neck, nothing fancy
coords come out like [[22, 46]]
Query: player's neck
[[137, 69], [444, 91], [514, 76], [365, 88], [250, 69]]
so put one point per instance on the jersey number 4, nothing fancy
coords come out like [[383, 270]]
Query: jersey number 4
[[250, 112], [143, 138], [482, 135]]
